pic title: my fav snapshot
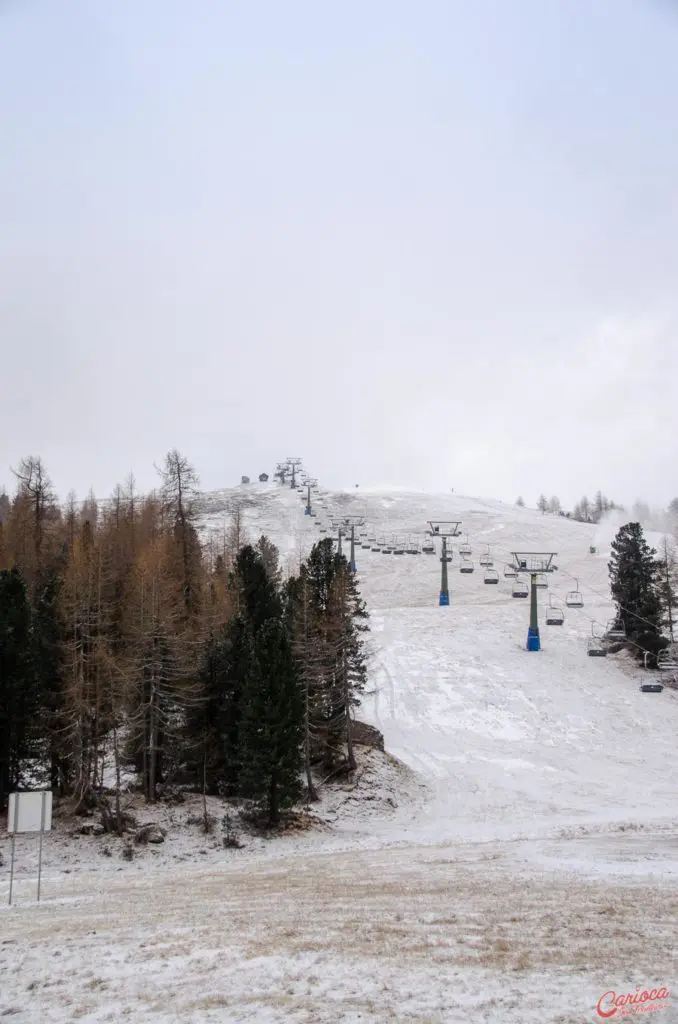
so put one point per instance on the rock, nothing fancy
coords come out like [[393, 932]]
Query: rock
[[367, 735], [92, 828], [150, 834]]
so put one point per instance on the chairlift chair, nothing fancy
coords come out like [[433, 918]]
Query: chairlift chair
[[595, 647], [651, 687], [365, 544], [486, 560], [412, 546], [465, 548], [542, 581], [375, 547], [614, 632], [466, 566], [666, 660], [428, 547], [509, 572], [554, 613], [520, 589], [491, 576], [573, 598], [398, 547]]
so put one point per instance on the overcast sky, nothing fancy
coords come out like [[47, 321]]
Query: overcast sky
[[428, 244]]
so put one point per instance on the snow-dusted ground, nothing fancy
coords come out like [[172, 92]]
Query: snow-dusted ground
[[521, 861]]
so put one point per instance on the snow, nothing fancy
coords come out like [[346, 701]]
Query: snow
[[512, 856]]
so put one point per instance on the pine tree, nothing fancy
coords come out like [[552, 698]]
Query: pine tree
[[520, 502], [328, 642], [634, 583], [668, 587], [272, 724], [18, 690], [543, 503], [49, 670], [256, 582], [226, 678], [554, 505]]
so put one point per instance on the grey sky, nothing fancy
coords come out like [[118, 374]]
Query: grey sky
[[432, 244]]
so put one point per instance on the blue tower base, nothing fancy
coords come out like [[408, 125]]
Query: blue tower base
[[307, 511], [444, 597], [533, 641], [351, 566]]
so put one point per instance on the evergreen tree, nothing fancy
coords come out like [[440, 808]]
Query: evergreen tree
[[328, 638], [48, 663], [668, 587], [543, 503], [256, 584], [272, 724], [520, 502], [554, 505], [226, 679], [18, 690], [634, 581]]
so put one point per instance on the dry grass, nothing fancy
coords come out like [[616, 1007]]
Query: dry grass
[[402, 924]]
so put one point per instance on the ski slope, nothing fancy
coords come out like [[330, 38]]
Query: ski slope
[[509, 742]]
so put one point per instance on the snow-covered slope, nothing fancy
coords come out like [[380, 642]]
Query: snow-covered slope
[[509, 741]]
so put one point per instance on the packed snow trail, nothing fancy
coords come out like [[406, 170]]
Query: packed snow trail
[[510, 742]]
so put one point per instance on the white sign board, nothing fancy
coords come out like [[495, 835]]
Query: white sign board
[[30, 812]]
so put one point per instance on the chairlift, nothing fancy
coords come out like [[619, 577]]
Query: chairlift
[[366, 545], [520, 589], [573, 598], [666, 660], [509, 572], [651, 687], [596, 648], [375, 547], [399, 547], [412, 546], [428, 547], [465, 548], [387, 550], [554, 613], [615, 632], [542, 581], [466, 566], [486, 559], [491, 576]]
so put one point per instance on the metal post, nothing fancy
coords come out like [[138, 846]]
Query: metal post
[[533, 641], [339, 551], [351, 563], [16, 825], [42, 832], [444, 586], [309, 510]]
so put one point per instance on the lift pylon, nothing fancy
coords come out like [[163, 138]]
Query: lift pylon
[[348, 524], [444, 528], [308, 511], [293, 465], [535, 564]]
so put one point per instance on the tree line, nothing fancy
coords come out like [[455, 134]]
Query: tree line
[[126, 642]]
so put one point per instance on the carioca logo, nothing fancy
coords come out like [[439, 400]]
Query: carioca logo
[[611, 1003]]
